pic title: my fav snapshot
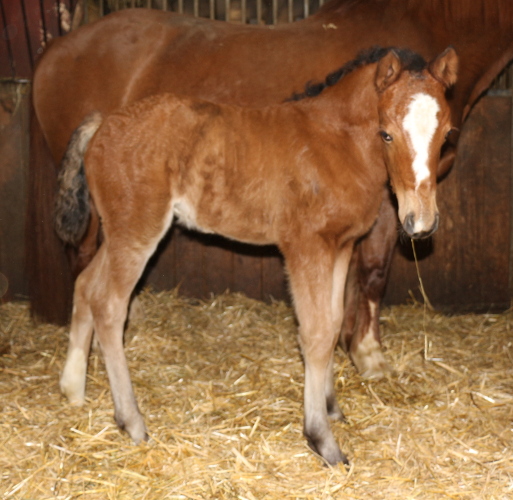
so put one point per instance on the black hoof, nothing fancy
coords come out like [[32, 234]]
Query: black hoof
[[136, 431], [331, 454]]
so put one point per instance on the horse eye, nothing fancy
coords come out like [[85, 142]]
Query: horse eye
[[450, 132], [386, 137]]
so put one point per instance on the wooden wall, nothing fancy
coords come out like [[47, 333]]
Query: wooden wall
[[26, 25], [14, 150]]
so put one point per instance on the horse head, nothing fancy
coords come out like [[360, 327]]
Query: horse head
[[414, 121]]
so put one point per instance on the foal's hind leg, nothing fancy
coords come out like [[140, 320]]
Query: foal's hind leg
[[119, 268], [73, 378]]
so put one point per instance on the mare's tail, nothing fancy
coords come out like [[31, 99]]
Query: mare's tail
[[72, 208]]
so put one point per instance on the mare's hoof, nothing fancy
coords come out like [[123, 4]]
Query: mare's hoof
[[370, 362], [135, 310], [377, 372]]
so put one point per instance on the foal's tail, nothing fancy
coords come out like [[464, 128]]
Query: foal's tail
[[72, 209]]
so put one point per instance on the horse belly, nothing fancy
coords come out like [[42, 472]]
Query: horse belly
[[245, 224]]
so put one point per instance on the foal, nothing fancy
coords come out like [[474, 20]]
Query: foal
[[305, 175]]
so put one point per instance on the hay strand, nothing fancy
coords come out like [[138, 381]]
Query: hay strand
[[220, 383]]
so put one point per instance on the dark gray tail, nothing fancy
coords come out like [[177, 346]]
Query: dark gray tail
[[72, 209]]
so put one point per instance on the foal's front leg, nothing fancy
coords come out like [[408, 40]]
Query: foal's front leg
[[312, 273]]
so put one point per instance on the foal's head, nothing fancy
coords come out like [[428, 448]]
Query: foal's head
[[414, 120]]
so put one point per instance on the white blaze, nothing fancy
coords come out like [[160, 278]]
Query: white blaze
[[420, 123]]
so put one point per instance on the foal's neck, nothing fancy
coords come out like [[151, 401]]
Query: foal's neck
[[353, 101]]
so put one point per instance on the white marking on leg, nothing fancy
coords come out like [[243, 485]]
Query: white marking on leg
[[368, 357], [420, 123], [73, 377]]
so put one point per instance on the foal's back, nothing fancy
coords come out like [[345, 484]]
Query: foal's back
[[244, 173]]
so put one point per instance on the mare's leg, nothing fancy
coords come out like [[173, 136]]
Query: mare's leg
[[365, 289], [311, 275], [89, 244], [80, 257]]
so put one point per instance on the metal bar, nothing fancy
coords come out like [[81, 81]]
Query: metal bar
[[247, 10], [43, 19], [243, 11], [7, 39], [511, 201], [27, 34], [59, 15]]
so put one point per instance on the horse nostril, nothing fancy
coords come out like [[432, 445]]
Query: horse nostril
[[409, 227], [435, 224], [409, 224]]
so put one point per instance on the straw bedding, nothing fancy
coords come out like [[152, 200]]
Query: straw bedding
[[220, 383]]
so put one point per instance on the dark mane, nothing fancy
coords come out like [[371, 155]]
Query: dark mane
[[411, 61]]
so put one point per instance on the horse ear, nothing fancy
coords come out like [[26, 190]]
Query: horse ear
[[445, 67], [388, 71]]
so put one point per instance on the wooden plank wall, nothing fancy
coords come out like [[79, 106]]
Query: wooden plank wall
[[26, 25], [14, 150], [205, 264]]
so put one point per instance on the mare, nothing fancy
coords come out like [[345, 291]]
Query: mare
[[313, 190], [135, 53]]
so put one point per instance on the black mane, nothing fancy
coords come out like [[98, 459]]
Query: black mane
[[411, 61]]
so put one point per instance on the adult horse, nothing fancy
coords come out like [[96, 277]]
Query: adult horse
[[313, 191], [136, 53]]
